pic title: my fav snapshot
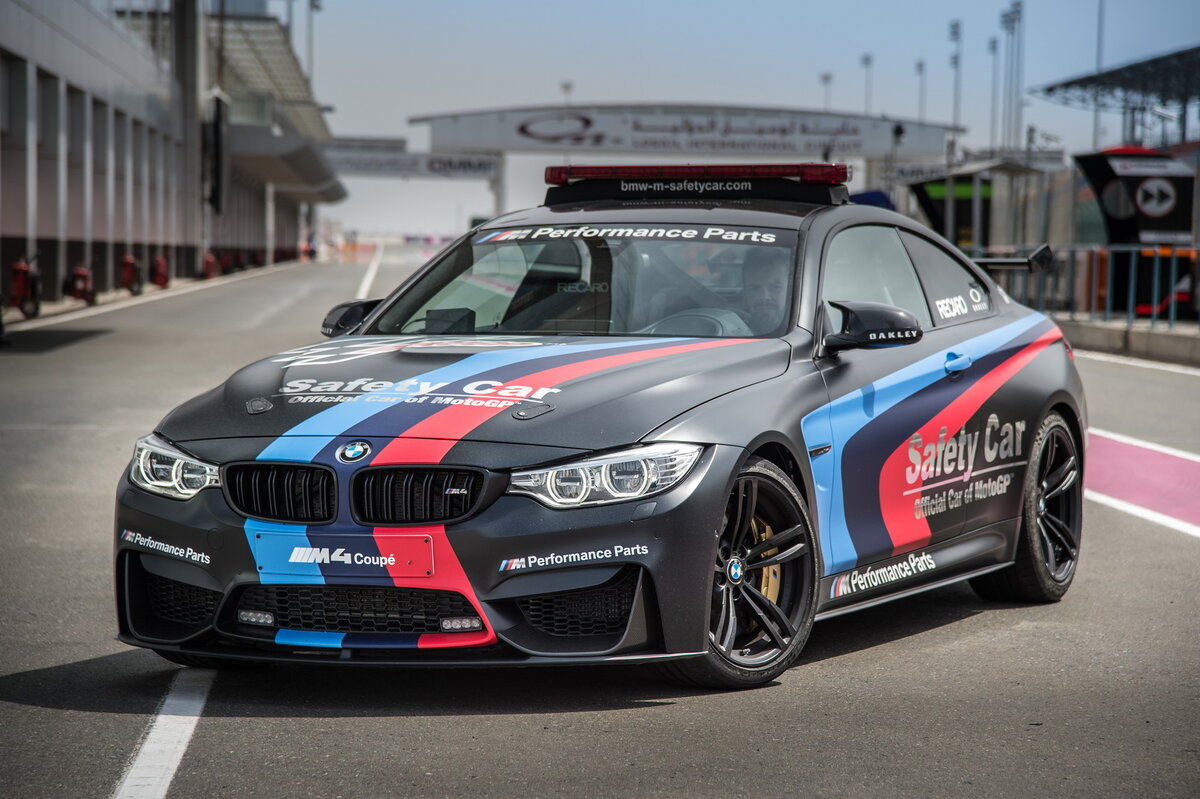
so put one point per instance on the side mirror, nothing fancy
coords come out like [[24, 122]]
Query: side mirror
[[346, 316], [872, 324]]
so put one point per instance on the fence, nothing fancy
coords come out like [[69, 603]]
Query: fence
[[1151, 284]]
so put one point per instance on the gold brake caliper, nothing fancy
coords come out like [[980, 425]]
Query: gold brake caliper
[[768, 581]]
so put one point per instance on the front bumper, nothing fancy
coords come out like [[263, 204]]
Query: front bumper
[[619, 583]]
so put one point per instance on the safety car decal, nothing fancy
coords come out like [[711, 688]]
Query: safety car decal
[[305, 440], [907, 525], [920, 391]]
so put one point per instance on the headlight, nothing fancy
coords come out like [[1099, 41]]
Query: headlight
[[161, 469], [623, 475]]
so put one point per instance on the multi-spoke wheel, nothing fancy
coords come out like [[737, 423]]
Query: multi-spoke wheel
[[764, 584], [1048, 549]]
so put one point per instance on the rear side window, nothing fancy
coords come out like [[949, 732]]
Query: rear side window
[[868, 263], [955, 293]]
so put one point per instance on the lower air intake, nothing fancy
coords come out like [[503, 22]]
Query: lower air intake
[[178, 602], [356, 609], [591, 611]]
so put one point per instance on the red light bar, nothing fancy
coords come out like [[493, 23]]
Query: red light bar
[[805, 173]]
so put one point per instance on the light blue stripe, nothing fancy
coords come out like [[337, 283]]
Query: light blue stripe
[[305, 440], [306, 638], [274, 573], [846, 415]]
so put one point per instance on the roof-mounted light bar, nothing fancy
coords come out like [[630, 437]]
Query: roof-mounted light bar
[[829, 174]]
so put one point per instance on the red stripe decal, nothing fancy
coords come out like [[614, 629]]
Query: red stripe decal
[[427, 442], [435, 436], [448, 575], [906, 531]]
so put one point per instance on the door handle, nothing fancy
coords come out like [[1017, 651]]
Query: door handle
[[956, 362]]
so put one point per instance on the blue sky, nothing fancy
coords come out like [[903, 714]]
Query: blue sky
[[380, 62]]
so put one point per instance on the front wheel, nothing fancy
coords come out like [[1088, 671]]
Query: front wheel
[[764, 584], [1048, 547]]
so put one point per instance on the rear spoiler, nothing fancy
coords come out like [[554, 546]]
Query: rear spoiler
[[1040, 260]]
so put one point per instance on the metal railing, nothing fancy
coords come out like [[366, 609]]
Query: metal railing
[[1148, 285]]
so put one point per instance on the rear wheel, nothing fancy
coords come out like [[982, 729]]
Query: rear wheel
[[1048, 547], [764, 585]]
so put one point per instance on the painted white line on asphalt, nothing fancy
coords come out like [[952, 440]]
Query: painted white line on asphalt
[[1125, 360], [1150, 445], [376, 259], [84, 313], [1143, 513], [150, 774]]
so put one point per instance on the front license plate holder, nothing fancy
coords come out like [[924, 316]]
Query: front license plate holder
[[312, 557]]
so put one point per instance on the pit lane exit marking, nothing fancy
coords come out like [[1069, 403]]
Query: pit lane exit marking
[[376, 259], [157, 759]]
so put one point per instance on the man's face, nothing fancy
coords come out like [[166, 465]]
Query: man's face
[[765, 292]]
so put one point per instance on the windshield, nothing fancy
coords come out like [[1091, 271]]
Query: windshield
[[676, 280]]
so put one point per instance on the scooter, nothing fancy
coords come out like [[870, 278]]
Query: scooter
[[26, 288], [131, 275], [79, 284], [159, 275]]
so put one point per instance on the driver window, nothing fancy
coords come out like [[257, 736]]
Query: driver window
[[869, 263]]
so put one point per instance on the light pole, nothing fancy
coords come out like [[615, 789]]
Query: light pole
[[826, 81], [992, 50], [921, 91], [1019, 72], [1099, 61], [1008, 24], [866, 63], [956, 64], [313, 5]]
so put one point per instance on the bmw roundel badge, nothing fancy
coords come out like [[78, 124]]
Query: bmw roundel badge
[[354, 451]]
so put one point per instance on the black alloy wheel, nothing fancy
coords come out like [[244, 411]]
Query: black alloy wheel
[[1048, 548], [764, 584]]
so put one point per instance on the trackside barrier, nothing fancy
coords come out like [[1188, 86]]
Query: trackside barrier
[[1151, 284]]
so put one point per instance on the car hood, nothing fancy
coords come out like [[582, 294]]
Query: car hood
[[577, 392]]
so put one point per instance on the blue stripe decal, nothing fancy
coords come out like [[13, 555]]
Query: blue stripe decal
[[307, 638], [304, 441], [848, 414], [271, 560]]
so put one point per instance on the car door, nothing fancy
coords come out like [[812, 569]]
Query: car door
[[992, 412], [893, 474]]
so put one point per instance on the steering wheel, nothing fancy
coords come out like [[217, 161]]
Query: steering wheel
[[700, 322]]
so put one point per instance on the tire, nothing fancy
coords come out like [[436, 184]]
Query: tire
[[137, 286], [1051, 523], [31, 306], [203, 662], [762, 600]]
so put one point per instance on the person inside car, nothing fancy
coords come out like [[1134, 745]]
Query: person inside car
[[765, 284]]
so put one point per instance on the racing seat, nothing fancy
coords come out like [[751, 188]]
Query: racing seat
[[557, 263]]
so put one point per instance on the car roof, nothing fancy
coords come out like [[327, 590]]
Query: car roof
[[747, 213]]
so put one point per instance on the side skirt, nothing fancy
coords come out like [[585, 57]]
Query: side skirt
[[919, 589], [932, 566]]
